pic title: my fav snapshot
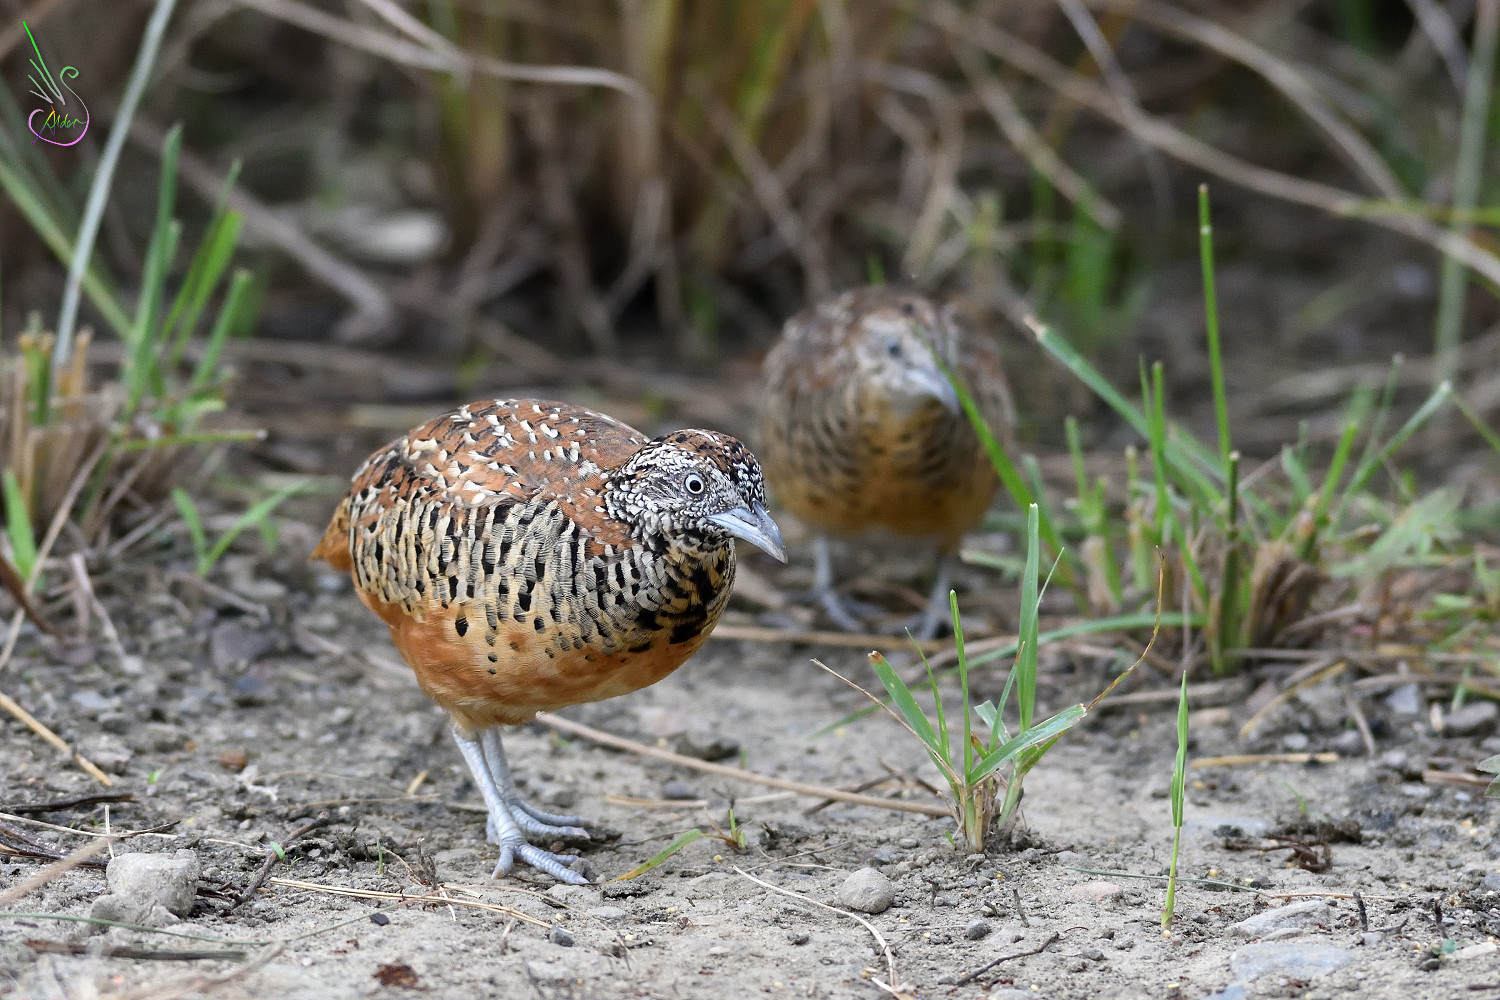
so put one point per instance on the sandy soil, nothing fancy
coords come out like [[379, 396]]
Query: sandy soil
[[236, 720]]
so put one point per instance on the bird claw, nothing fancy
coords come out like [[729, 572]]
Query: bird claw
[[555, 865], [536, 823], [845, 612]]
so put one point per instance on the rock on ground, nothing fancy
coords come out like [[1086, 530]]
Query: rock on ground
[[150, 889], [867, 891]]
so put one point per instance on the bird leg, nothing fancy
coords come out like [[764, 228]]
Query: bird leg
[[842, 611], [527, 816], [937, 616], [501, 801]]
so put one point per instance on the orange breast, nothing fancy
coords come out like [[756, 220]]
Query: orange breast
[[522, 673]]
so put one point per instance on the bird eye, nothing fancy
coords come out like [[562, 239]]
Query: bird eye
[[693, 483], [893, 348]]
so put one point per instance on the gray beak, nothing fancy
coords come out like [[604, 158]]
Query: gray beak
[[755, 526], [931, 383]]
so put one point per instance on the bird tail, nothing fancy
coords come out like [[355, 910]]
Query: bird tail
[[334, 546]]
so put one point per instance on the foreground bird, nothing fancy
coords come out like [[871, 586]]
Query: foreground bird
[[531, 555], [862, 432]]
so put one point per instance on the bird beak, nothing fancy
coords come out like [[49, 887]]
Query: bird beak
[[755, 526], [932, 383]]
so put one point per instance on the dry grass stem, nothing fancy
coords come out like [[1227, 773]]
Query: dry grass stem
[[1309, 676], [54, 870], [1240, 760], [801, 788], [31, 722], [1021, 55]]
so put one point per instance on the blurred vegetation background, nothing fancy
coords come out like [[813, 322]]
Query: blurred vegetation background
[[441, 196]]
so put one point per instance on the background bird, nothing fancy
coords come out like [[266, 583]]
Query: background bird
[[531, 555], [862, 432]]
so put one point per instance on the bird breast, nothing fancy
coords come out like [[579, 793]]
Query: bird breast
[[505, 609]]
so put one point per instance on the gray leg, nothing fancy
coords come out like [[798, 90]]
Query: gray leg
[[937, 616], [503, 826], [827, 594], [527, 817]]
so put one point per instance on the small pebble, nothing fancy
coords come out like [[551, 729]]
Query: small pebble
[[976, 929], [1295, 742], [379, 919], [234, 760], [799, 937], [867, 891], [1474, 719], [1092, 954], [1405, 700], [676, 789], [561, 936], [1491, 882]]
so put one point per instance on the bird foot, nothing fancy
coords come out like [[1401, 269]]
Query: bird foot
[[556, 865], [534, 822], [846, 612]]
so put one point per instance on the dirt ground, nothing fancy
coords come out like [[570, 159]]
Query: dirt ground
[[243, 709]]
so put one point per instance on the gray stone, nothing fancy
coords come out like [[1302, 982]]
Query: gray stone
[[150, 889], [675, 788], [1294, 960], [867, 891], [1405, 700], [1475, 719], [561, 936], [1296, 917], [1491, 882], [976, 929], [1295, 742], [1348, 743]]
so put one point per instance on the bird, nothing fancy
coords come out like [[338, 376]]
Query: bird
[[528, 555], [862, 432]]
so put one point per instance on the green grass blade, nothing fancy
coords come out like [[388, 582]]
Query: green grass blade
[[93, 213], [1373, 461], [1005, 469], [905, 704], [51, 232], [18, 526], [257, 512], [1193, 459], [189, 512], [230, 316], [1211, 318], [1042, 732], [963, 676], [1026, 660], [1478, 423], [205, 271], [682, 840]]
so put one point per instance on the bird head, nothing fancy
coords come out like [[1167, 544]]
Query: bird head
[[695, 487], [894, 344]]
